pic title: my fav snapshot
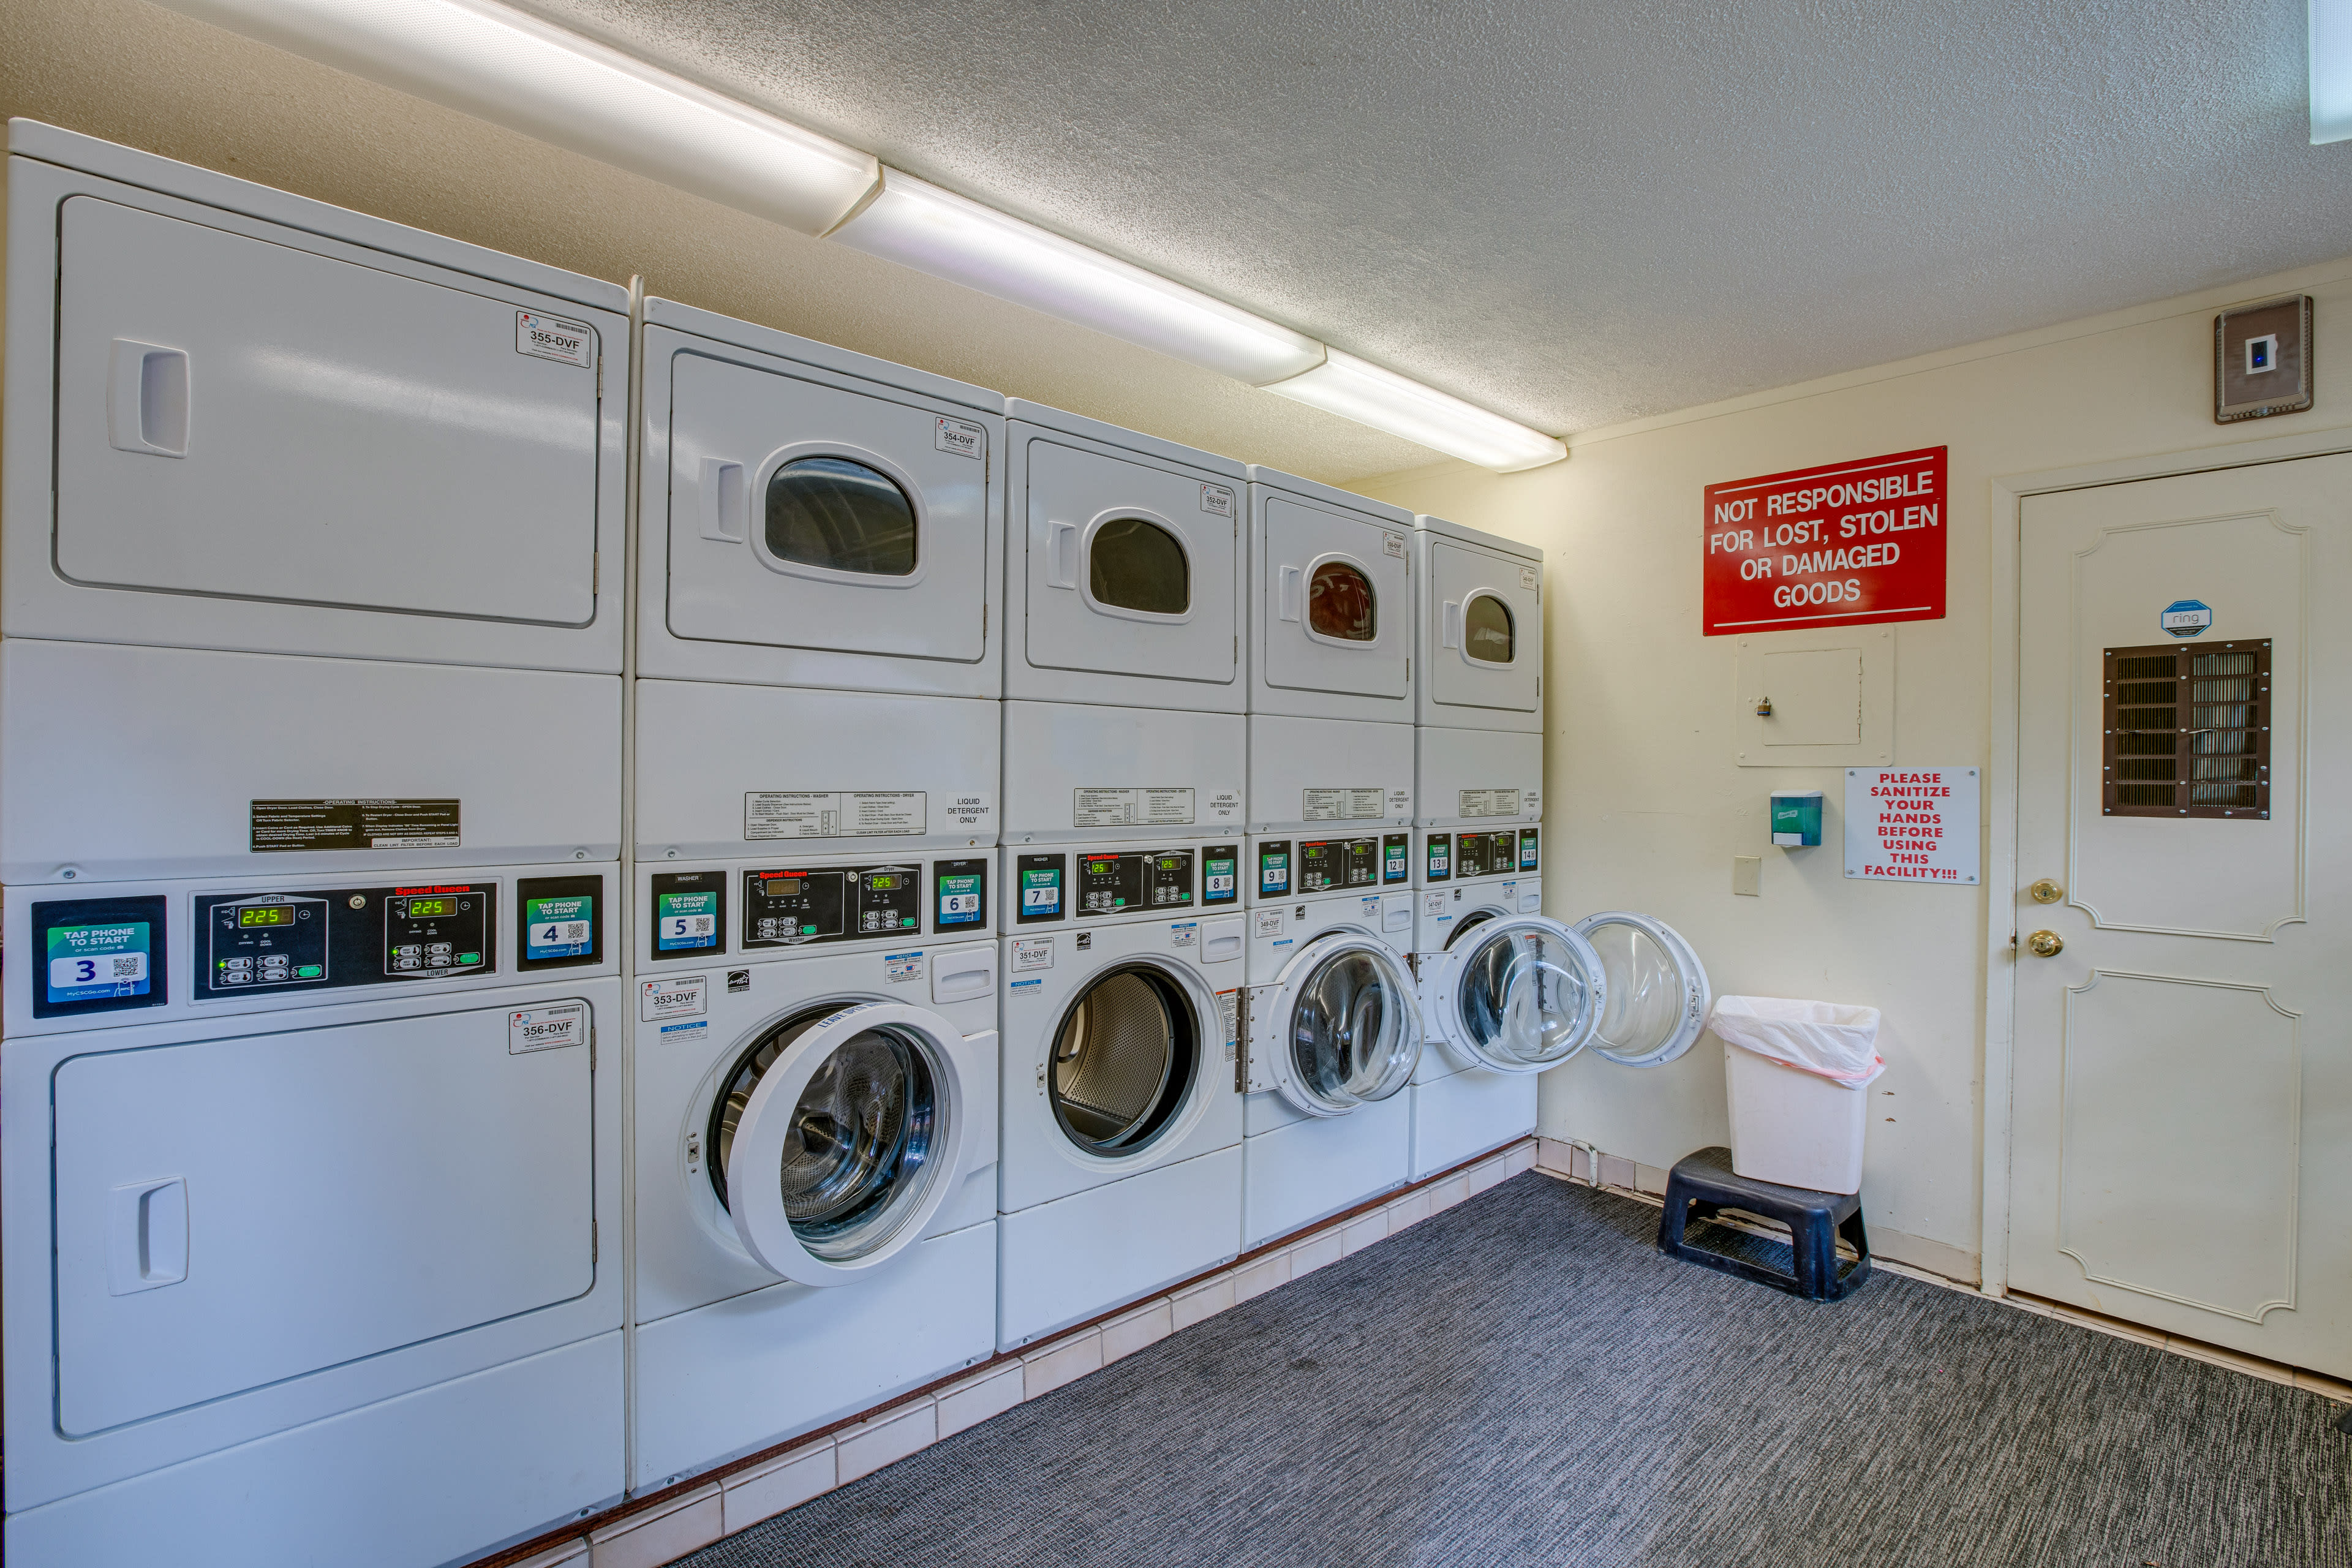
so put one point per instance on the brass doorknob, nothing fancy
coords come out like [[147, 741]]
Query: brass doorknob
[[2046, 944], [2046, 891]]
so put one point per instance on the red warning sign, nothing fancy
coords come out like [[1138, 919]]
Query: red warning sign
[[1845, 545]]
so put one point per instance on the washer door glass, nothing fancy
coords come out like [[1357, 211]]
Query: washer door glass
[[1352, 1029], [1123, 1060], [1657, 989], [842, 515], [860, 1146], [1522, 995]]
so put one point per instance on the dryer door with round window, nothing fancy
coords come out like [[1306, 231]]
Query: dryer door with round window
[[1337, 615], [805, 514], [1125, 1061], [1128, 572], [1340, 1028], [1515, 994], [1486, 614], [835, 1135], [1657, 990]]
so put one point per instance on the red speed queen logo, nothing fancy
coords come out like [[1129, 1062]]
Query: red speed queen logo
[[1845, 545]]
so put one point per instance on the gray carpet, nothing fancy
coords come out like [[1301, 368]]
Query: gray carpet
[[1524, 1380]]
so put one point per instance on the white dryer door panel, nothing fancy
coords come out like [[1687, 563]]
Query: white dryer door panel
[[1485, 646], [1473, 777], [1078, 772], [1126, 571], [1336, 600], [147, 762], [247, 420], [726, 769], [235, 1211], [1318, 772], [808, 515]]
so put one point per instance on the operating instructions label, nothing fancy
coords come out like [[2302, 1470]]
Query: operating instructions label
[[832, 813], [1341, 804], [355, 823], [1148, 806]]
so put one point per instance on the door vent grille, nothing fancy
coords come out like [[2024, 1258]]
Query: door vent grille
[[2188, 730]]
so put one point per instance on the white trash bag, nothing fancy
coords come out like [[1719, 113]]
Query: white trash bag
[[1828, 1040]]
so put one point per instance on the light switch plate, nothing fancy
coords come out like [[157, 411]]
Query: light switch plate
[[1748, 875]]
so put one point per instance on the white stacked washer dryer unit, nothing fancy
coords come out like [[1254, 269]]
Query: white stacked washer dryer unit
[[1506, 991], [1331, 1026], [1330, 803], [1123, 783], [816, 735], [309, 746]]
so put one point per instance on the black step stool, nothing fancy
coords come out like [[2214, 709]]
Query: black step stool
[[1702, 1185]]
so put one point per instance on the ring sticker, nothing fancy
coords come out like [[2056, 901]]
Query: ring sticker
[[673, 997], [552, 337], [960, 437], [1217, 499], [1033, 952]]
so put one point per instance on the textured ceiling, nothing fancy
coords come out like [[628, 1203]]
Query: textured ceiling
[[1579, 214]]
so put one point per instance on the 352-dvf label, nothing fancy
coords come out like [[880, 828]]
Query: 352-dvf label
[[1848, 544]]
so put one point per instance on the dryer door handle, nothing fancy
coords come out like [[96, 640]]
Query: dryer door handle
[[1289, 581], [147, 1236], [1061, 556], [719, 498], [1450, 625], [147, 398]]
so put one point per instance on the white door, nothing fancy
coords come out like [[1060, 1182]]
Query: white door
[[1340, 1027], [1486, 612], [248, 420], [807, 515], [1338, 614], [1516, 994], [235, 1211], [1128, 569], [2182, 1080], [1656, 990], [835, 1136]]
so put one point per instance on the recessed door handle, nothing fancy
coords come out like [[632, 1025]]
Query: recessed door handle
[[1288, 582], [1061, 566], [721, 499], [146, 1236], [147, 399], [1449, 633]]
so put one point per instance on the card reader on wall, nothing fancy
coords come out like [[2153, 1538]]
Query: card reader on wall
[[1797, 818]]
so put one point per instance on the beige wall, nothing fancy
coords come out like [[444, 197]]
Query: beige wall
[[159, 82], [1646, 805]]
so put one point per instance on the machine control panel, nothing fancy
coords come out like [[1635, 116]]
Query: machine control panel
[[1221, 880], [310, 938], [1486, 854], [959, 895], [1120, 882], [1327, 863], [793, 908], [690, 914]]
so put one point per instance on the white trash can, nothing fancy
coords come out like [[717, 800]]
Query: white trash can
[[1796, 1074]]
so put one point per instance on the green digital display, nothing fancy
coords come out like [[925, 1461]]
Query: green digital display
[[882, 884], [429, 908], [266, 915]]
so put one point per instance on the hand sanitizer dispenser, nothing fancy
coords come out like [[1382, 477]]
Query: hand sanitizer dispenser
[[1797, 818]]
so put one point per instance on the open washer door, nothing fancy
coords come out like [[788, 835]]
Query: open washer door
[[1340, 1027], [836, 1136], [1657, 996], [1518, 994]]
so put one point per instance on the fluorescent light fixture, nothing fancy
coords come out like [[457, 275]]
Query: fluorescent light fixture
[[937, 232], [2331, 70], [515, 70], [1358, 390]]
